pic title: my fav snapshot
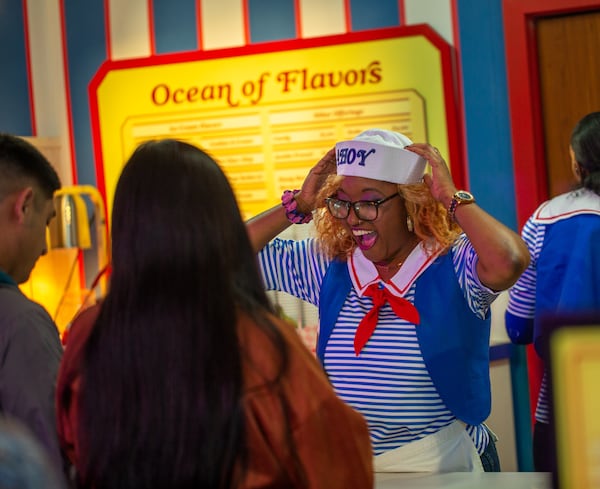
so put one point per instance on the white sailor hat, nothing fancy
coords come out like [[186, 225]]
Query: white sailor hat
[[379, 154]]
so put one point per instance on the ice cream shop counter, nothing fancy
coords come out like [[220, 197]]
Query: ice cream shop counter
[[465, 480]]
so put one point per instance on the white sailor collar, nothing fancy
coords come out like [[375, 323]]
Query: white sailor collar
[[363, 272], [581, 201]]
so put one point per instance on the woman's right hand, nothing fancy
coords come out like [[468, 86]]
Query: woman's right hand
[[313, 182], [264, 227]]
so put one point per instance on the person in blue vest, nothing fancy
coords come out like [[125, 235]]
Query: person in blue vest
[[403, 269], [563, 277]]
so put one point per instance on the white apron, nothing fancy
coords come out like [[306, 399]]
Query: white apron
[[449, 450]]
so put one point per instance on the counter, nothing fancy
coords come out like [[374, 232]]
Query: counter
[[465, 480]]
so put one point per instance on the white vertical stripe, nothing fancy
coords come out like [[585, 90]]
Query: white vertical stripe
[[436, 13], [48, 80], [129, 29], [222, 24], [322, 18]]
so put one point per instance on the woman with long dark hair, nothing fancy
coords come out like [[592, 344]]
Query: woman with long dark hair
[[183, 376]]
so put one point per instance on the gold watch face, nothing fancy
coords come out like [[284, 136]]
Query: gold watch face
[[464, 196]]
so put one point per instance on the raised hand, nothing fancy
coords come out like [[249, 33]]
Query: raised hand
[[314, 181], [440, 180]]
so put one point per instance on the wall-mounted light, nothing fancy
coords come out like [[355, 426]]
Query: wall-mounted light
[[79, 213], [71, 226]]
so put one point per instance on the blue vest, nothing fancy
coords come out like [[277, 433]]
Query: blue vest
[[568, 274], [454, 342]]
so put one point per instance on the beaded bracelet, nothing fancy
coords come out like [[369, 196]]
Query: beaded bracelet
[[291, 208], [452, 209]]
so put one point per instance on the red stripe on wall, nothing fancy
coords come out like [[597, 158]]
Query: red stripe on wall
[[401, 12], [151, 28], [348, 15], [298, 18], [28, 65], [199, 41], [460, 100], [95, 128], [107, 29], [63, 41], [246, 22]]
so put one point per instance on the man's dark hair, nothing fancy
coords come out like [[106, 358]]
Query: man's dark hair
[[21, 163]]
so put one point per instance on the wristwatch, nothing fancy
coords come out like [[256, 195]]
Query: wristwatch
[[460, 197]]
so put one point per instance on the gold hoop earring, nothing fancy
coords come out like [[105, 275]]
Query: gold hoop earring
[[409, 224]]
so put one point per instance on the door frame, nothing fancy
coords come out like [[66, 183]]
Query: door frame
[[529, 173], [527, 128]]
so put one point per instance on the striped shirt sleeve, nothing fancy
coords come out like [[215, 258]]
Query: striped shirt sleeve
[[521, 302], [295, 267], [478, 296]]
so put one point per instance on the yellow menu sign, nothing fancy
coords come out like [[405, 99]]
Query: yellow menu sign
[[267, 117]]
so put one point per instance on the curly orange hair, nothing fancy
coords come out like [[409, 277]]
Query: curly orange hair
[[429, 218]]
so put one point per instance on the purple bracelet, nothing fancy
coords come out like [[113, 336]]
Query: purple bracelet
[[291, 208]]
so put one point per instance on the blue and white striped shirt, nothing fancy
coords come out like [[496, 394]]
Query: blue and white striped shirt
[[576, 207], [522, 302], [388, 383]]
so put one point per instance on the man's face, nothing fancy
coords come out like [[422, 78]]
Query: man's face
[[33, 235]]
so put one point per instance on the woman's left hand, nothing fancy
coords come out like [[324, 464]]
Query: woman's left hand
[[440, 180], [502, 254]]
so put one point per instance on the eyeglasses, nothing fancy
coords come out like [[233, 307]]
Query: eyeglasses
[[365, 210]]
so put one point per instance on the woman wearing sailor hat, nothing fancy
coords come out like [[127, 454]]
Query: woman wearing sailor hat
[[403, 269]]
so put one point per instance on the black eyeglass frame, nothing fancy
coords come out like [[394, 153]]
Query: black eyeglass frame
[[356, 206]]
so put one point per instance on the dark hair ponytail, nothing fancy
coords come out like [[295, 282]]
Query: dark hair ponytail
[[585, 141]]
